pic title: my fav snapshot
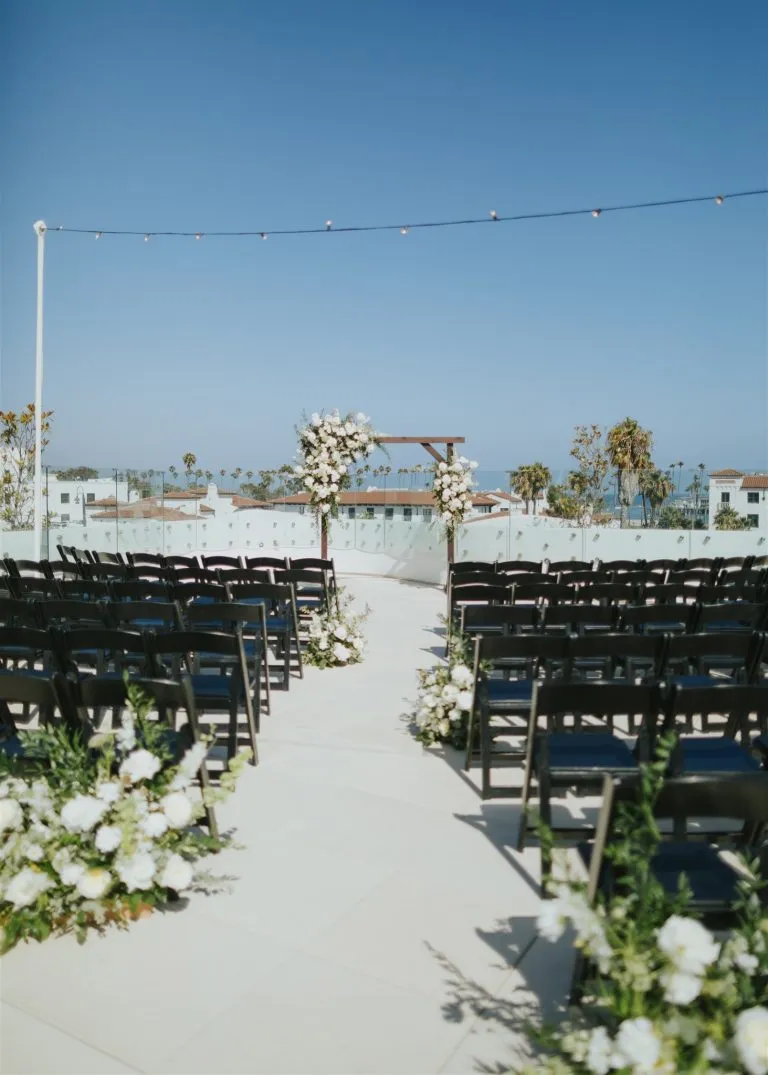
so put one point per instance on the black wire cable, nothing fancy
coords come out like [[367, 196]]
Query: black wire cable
[[492, 218]]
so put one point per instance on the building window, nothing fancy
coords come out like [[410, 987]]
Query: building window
[[350, 513], [64, 519], [407, 514], [753, 498], [65, 498], [302, 509], [90, 497], [725, 498], [389, 513], [427, 515], [754, 520]]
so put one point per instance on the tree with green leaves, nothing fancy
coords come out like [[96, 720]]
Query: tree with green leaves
[[529, 481], [656, 487], [728, 518], [585, 486], [77, 474], [629, 453], [17, 463]]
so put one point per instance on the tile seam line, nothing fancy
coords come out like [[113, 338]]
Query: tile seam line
[[73, 1037]]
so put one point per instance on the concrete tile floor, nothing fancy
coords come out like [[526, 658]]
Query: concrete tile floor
[[378, 918]]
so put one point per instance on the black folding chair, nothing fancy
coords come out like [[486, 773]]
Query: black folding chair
[[280, 619], [578, 619], [498, 619], [169, 697], [235, 618], [144, 615], [220, 691], [52, 697], [571, 753], [657, 619], [733, 616]]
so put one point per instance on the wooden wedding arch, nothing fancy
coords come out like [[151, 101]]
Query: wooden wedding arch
[[428, 443]]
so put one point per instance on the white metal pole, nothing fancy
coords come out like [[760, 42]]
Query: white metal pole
[[40, 230]]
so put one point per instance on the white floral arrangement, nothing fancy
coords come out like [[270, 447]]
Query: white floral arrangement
[[446, 695], [101, 831], [665, 996], [452, 490], [329, 445], [335, 635]]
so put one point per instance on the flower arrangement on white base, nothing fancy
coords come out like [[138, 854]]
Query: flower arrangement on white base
[[446, 693], [452, 491], [335, 636], [98, 832], [329, 445], [665, 995]]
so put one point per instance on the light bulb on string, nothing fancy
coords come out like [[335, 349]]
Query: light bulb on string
[[328, 225], [146, 238], [263, 235], [719, 199], [98, 235], [403, 231], [596, 213], [198, 235], [493, 215]]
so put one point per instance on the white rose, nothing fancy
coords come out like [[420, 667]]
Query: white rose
[[681, 988], [137, 872], [11, 814], [154, 825], [71, 873], [23, 889], [637, 1045], [109, 792], [444, 728], [450, 692], [341, 632], [751, 1040], [430, 701], [552, 920], [599, 1051], [464, 701], [178, 809], [140, 765], [688, 945], [94, 884], [34, 853], [177, 874], [189, 766], [340, 652], [108, 838], [82, 813], [462, 676]]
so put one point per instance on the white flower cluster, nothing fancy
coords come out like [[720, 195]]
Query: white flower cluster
[[452, 490], [687, 951], [444, 702], [121, 835], [328, 446], [335, 637]]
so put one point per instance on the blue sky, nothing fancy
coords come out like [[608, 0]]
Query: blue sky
[[247, 114]]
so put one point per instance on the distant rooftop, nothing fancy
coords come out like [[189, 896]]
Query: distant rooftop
[[388, 497]]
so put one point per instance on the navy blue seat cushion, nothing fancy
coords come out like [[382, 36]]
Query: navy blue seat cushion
[[710, 878], [715, 755], [12, 747], [698, 681], [39, 672], [278, 623], [510, 690], [218, 687], [579, 751]]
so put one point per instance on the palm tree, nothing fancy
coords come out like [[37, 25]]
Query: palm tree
[[656, 486], [728, 518], [629, 451], [680, 465], [529, 480]]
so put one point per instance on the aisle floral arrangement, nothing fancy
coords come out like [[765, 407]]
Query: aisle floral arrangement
[[446, 692], [666, 995], [335, 635], [329, 445], [452, 491], [99, 832]]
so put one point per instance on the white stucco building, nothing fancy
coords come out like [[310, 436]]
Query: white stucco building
[[747, 494], [409, 505]]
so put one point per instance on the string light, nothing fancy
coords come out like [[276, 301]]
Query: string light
[[98, 235], [198, 235], [493, 216]]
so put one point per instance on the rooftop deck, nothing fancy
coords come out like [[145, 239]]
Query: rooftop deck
[[378, 919]]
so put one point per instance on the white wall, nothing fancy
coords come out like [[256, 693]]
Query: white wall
[[402, 550]]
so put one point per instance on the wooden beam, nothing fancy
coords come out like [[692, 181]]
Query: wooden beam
[[432, 451], [421, 440]]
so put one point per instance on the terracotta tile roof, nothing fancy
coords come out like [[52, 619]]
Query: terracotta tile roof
[[186, 494], [727, 473], [243, 502], [144, 511], [755, 481], [105, 502], [388, 497]]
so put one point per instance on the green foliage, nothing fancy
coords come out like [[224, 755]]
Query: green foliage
[[529, 481], [17, 471], [728, 518], [77, 474]]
